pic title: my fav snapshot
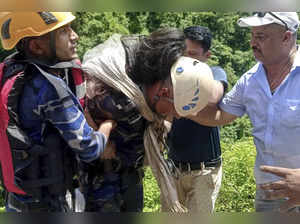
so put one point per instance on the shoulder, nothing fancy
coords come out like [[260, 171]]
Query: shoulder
[[220, 75], [250, 74], [217, 70], [40, 85], [35, 78]]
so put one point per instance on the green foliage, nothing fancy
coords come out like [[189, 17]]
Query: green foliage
[[138, 22], [151, 193], [237, 192], [2, 197], [238, 129], [97, 28]]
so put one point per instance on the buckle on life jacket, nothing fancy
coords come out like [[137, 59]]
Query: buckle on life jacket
[[34, 151], [20, 154]]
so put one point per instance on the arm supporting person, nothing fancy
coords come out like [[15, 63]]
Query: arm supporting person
[[213, 116], [228, 109]]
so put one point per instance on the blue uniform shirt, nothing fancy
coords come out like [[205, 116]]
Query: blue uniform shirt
[[40, 103]]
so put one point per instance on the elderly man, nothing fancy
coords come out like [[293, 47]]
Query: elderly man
[[269, 94]]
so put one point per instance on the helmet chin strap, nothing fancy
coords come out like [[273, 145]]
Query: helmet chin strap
[[49, 60], [53, 57]]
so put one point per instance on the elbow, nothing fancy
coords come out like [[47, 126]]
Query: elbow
[[217, 93]]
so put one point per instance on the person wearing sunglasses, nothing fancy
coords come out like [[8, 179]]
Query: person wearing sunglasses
[[269, 94]]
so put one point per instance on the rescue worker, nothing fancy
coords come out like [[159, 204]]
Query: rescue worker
[[47, 129]]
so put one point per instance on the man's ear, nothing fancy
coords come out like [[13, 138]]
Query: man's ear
[[207, 54], [287, 36], [36, 46]]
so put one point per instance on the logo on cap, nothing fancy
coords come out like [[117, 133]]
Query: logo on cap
[[195, 99], [179, 70], [189, 106]]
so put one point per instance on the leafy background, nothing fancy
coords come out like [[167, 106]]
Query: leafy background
[[230, 50]]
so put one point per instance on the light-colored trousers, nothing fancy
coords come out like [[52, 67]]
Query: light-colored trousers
[[197, 189]]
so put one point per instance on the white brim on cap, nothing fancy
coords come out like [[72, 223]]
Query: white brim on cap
[[254, 21]]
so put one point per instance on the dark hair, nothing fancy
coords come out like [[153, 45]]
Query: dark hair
[[200, 34], [156, 54]]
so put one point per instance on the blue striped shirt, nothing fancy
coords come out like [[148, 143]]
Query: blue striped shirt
[[41, 103]]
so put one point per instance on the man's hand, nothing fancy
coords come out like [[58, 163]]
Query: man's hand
[[90, 120], [287, 187], [109, 151], [106, 127]]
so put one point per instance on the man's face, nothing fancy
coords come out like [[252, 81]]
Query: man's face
[[267, 43], [160, 99], [66, 42], [195, 50]]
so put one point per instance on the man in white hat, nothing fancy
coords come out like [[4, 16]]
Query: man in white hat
[[269, 94]]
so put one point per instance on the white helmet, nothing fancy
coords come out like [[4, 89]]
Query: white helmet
[[192, 85]]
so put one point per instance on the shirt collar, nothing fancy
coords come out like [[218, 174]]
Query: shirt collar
[[297, 58]]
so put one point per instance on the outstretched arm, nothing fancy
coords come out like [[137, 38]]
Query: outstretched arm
[[213, 116]]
